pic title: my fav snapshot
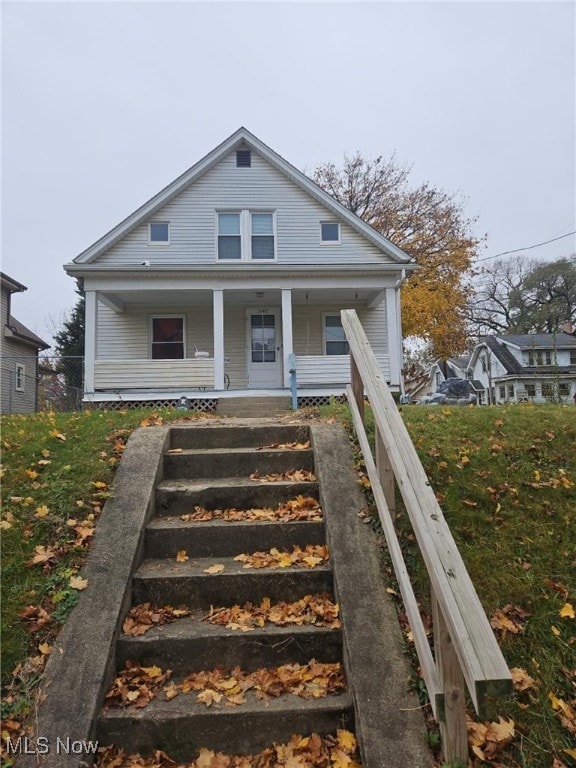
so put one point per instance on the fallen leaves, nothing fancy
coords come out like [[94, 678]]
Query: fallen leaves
[[43, 555], [567, 611], [510, 619], [143, 617], [308, 557], [293, 475], [294, 446], [181, 556], [565, 711], [35, 617], [311, 751], [135, 686], [317, 610], [213, 569], [487, 740], [298, 508], [77, 582]]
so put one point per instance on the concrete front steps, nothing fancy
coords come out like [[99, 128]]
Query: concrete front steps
[[253, 407], [210, 467]]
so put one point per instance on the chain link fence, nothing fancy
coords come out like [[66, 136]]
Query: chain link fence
[[46, 383]]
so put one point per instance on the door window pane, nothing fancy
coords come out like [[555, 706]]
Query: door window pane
[[263, 342]]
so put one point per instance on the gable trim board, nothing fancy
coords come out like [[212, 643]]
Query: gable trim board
[[244, 137]]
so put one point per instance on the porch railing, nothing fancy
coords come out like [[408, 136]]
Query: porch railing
[[149, 374], [465, 649]]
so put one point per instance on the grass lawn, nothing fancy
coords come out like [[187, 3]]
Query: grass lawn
[[505, 477]]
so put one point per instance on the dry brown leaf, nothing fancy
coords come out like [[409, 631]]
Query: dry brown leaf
[[217, 568]]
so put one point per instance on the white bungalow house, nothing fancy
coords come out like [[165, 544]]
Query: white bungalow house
[[537, 367], [534, 367], [209, 287]]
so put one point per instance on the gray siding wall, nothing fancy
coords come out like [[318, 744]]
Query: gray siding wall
[[12, 354], [193, 221]]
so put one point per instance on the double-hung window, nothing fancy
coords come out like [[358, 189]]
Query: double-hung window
[[20, 377], [167, 338], [334, 338], [246, 236]]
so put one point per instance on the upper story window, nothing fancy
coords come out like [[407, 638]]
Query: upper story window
[[539, 357], [243, 158], [334, 338], [20, 377], [167, 338], [246, 235], [330, 232], [573, 357], [159, 232]]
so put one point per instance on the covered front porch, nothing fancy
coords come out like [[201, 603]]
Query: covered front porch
[[150, 343]]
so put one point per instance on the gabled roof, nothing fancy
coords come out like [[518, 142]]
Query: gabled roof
[[540, 340], [503, 354], [21, 333], [242, 137], [12, 285]]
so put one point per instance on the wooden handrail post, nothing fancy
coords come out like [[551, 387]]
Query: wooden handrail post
[[453, 730], [357, 387], [385, 472]]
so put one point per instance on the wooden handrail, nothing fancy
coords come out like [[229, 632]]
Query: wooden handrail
[[466, 650]]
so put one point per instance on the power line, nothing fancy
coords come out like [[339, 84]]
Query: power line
[[528, 248]]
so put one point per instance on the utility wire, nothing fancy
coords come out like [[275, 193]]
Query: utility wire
[[528, 248]]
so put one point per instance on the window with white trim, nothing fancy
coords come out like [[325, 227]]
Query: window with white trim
[[167, 337], [539, 357], [20, 377], [330, 232], [246, 236], [334, 338], [159, 232]]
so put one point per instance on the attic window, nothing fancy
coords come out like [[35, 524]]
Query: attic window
[[243, 158], [330, 232], [159, 232]]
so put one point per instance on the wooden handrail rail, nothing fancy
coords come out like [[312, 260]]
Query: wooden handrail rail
[[465, 646]]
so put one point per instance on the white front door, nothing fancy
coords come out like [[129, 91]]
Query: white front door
[[264, 350]]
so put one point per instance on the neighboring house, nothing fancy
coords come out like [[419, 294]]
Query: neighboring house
[[532, 367], [216, 281], [453, 368], [19, 349]]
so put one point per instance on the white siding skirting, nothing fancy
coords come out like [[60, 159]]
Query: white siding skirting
[[152, 374], [313, 370]]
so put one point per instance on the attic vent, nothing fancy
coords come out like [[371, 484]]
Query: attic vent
[[243, 158]]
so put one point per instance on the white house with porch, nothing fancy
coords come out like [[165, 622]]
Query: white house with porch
[[210, 287]]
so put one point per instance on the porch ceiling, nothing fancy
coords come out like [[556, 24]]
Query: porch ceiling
[[121, 300]]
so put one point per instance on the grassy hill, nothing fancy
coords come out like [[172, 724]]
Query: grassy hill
[[505, 477]]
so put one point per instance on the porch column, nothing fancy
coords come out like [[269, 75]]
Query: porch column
[[394, 333], [287, 343], [218, 312], [90, 324]]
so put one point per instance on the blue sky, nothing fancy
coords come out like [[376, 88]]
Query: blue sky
[[104, 103]]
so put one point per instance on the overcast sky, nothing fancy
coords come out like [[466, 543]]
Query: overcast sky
[[104, 103]]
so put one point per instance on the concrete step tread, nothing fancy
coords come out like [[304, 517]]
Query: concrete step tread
[[186, 706], [174, 522], [196, 567], [199, 484], [194, 627], [263, 450]]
